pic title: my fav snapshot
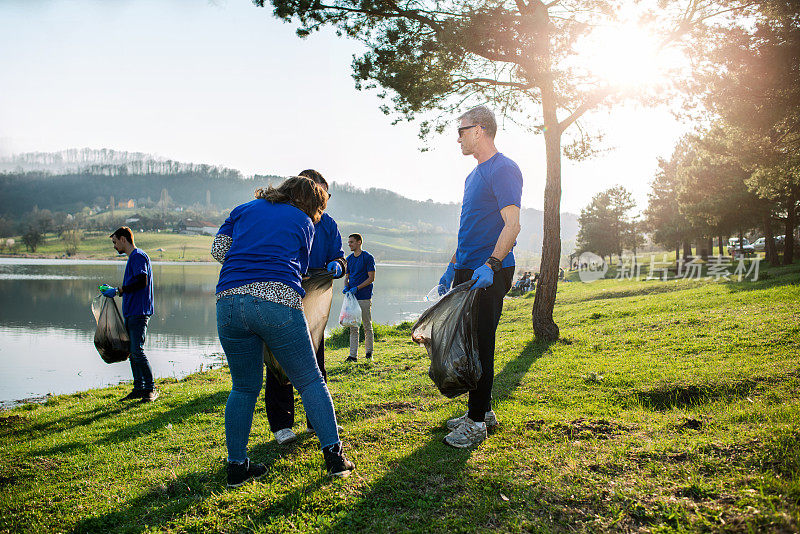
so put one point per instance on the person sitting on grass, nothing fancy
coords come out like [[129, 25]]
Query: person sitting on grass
[[264, 249]]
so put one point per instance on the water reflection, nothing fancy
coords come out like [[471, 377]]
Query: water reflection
[[46, 325]]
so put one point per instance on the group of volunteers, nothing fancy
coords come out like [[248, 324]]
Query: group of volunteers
[[266, 247]]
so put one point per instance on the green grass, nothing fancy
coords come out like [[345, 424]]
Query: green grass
[[665, 407], [97, 245]]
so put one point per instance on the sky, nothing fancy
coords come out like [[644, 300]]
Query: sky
[[223, 82]]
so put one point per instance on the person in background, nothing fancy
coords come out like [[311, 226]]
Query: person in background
[[264, 248], [358, 281], [486, 236], [326, 253], [137, 308]]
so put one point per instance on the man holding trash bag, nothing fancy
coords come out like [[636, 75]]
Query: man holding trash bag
[[358, 282], [137, 308], [326, 253], [487, 233]]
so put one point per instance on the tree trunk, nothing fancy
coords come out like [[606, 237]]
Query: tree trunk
[[677, 251], [741, 244], [543, 325], [721, 248], [770, 252], [710, 246], [702, 251], [788, 241], [687, 250]]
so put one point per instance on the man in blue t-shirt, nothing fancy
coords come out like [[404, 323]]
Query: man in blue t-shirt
[[358, 281], [486, 236], [326, 253], [137, 308]]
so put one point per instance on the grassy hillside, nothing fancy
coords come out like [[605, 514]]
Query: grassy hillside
[[97, 246], [180, 247], [666, 407]]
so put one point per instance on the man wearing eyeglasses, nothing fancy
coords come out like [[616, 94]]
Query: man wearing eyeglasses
[[486, 236]]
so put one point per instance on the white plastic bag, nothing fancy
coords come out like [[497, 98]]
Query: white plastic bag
[[351, 311]]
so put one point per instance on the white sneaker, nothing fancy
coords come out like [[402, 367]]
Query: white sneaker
[[490, 419], [284, 436], [468, 434]]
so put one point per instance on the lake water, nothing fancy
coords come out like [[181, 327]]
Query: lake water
[[47, 327]]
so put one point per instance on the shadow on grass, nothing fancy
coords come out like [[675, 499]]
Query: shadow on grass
[[432, 475], [669, 396], [204, 403], [81, 419], [770, 277], [156, 506], [681, 396]]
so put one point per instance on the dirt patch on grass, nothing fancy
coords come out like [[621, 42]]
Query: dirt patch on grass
[[375, 410], [393, 406], [581, 428]]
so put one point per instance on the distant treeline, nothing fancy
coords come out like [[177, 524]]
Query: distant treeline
[[167, 186]]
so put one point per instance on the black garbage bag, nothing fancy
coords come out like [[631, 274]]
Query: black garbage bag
[[316, 307], [111, 339], [449, 332]]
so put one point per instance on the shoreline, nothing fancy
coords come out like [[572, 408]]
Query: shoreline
[[115, 259], [8, 405]]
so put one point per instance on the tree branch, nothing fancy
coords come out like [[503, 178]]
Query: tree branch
[[490, 81], [587, 104]]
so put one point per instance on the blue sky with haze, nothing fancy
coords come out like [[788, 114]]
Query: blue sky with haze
[[226, 83]]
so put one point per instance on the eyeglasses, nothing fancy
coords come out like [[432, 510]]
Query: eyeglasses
[[463, 129]]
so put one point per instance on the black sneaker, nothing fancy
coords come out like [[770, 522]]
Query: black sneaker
[[136, 394], [369, 355], [351, 359], [149, 395], [238, 474], [336, 463]]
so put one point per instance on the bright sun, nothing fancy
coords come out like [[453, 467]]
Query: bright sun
[[626, 56]]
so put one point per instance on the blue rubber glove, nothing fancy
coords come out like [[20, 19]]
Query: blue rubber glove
[[336, 268], [350, 290], [447, 278], [483, 276], [108, 291]]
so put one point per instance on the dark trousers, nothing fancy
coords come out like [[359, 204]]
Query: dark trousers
[[136, 325], [490, 307], [279, 398]]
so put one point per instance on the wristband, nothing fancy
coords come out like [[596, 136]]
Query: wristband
[[495, 264]]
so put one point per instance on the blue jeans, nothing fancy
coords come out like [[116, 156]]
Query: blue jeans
[[136, 325], [245, 323]]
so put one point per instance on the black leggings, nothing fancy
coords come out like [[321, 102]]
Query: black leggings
[[279, 398], [490, 307]]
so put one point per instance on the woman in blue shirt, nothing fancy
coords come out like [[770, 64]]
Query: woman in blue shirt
[[264, 249]]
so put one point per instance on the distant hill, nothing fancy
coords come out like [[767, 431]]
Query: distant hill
[[394, 226]]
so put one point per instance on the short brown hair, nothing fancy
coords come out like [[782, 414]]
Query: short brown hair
[[123, 231], [301, 192], [356, 236]]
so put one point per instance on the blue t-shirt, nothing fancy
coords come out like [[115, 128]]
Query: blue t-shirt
[[327, 245], [357, 269], [139, 302], [271, 242], [490, 187]]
